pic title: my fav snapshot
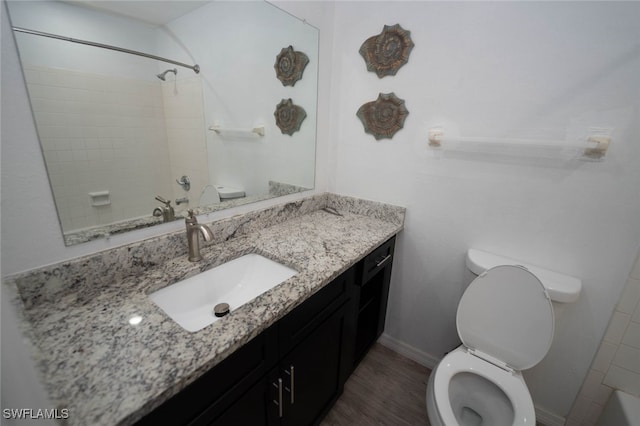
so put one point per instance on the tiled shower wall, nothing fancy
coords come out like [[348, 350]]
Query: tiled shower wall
[[617, 362], [92, 125]]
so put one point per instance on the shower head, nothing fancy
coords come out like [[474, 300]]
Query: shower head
[[162, 75]]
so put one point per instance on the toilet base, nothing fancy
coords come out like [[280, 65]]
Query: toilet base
[[464, 390], [432, 410]]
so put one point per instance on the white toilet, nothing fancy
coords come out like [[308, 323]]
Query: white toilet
[[209, 196], [505, 322], [229, 192]]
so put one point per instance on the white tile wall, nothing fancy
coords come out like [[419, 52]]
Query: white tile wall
[[617, 363], [91, 126]]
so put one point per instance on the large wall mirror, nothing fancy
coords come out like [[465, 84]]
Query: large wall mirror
[[131, 141]]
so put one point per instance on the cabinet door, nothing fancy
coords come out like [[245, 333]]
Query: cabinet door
[[371, 297], [311, 373], [211, 394], [251, 409], [294, 327]]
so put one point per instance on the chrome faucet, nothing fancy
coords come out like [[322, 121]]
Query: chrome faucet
[[193, 230], [168, 214]]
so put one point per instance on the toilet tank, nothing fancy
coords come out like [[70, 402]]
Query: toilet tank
[[229, 192], [560, 287]]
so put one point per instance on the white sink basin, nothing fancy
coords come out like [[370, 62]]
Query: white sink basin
[[190, 302]]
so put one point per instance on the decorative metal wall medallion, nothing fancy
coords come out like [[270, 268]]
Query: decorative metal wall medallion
[[383, 117], [289, 116], [385, 53], [290, 66]]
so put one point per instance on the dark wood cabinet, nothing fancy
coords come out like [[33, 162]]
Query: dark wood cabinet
[[310, 373], [304, 319], [370, 297], [252, 408], [211, 394], [292, 373]]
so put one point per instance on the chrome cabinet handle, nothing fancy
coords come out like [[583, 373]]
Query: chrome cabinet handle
[[383, 261], [292, 381], [279, 401]]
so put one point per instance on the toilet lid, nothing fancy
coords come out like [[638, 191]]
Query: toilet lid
[[507, 314], [209, 196]]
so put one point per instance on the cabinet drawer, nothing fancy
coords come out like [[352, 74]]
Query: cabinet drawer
[[377, 260], [306, 317], [224, 382]]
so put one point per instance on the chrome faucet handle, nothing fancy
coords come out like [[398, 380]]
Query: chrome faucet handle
[[163, 201], [184, 182], [191, 218], [193, 230], [168, 213]]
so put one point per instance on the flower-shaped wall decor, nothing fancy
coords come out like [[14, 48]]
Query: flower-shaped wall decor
[[383, 117], [289, 116], [385, 53], [290, 65]]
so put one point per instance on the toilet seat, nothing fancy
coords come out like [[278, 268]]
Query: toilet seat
[[506, 317], [229, 192], [505, 321], [512, 384], [209, 196]]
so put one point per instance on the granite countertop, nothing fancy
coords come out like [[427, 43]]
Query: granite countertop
[[107, 371]]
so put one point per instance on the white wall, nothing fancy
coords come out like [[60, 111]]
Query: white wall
[[518, 69], [20, 386]]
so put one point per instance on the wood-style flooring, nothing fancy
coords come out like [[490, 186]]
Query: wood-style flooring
[[385, 389]]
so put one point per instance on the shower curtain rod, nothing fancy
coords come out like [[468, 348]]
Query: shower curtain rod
[[195, 68]]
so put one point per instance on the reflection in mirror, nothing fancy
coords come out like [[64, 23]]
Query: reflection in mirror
[[131, 141]]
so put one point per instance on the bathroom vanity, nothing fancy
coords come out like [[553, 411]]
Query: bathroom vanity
[[281, 358], [293, 372]]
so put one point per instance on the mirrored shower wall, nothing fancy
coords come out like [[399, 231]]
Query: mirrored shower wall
[[114, 135], [124, 136]]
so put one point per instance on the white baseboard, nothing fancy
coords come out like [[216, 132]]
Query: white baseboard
[[547, 418], [542, 416], [410, 352]]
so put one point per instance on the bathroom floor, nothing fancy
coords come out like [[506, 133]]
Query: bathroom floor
[[385, 389]]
